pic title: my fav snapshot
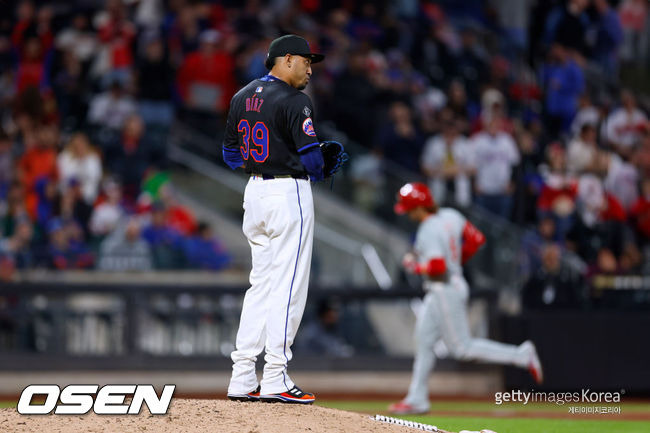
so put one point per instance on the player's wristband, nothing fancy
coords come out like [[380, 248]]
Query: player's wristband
[[313, 162], [434, 268], [232, 157]]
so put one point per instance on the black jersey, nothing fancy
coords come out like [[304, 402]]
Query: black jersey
[[270, 123]]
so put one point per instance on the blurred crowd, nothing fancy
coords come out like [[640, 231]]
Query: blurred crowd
[[87, 96], [517, 106]]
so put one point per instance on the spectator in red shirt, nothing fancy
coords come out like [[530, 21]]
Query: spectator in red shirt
[[117, 34], [558, 195], [31, 67], [37, 163], [206, 79], [39, 160], [177, 216], [30, 26], [25, 16]]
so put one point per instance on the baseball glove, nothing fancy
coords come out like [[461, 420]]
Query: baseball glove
[[334, 156]]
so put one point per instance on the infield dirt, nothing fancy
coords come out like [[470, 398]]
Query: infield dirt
[[221, 416]]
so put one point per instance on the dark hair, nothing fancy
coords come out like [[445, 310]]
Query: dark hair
[[587, 126], [270, 62], [201, 227], [325, 305], [432, 209]]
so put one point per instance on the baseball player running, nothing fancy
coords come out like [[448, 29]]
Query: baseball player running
[[445, 240], [270, 133]]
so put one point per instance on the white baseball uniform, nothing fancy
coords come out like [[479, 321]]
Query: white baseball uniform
[[279, 226], [444, 310], [269, 125]]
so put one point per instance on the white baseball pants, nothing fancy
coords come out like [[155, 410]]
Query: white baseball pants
[[444, 315], [279, 226]]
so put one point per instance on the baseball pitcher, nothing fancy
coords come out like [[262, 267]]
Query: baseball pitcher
[[445, 240], [270, 133]]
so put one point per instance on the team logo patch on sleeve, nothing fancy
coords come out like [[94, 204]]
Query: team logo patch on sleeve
[[308, 127], [307, 111]]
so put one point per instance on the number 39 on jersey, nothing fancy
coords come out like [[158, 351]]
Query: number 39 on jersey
[[259, 135]]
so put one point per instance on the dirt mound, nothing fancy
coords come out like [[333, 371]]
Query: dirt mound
[[206, 416]]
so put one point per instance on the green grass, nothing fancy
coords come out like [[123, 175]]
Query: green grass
[[479, 406], [487, 415], [7, 404]]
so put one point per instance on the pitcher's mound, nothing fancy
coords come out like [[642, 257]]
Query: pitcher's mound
[[219, 416]]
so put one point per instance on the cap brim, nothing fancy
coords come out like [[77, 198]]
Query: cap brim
[[315, 58]]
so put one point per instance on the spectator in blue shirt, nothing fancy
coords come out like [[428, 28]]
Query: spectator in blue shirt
[[157, 233], [609, 36], [204, 251], [563, 82], [165, 242], [67, 249]]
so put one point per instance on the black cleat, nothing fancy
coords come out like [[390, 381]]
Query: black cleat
[[295, 395]]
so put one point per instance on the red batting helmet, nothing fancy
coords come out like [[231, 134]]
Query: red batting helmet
[[412, 195]]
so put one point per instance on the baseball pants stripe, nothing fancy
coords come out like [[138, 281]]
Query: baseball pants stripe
[[293, 277]]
